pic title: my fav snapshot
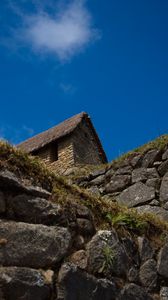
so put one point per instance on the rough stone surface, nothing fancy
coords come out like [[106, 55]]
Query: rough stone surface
[[164, 293], [136, 194], [24, 283], [103, 246], [118, 183], [154, 182], [80, 259], [146, 251], [150, 157], [162, 265], [98, 180], [98, 173], [134, 292], [33, 210], [74, 284], [164, 189], [148, 274], [136, 161], [142, 174], [124, 171], [32, 245]]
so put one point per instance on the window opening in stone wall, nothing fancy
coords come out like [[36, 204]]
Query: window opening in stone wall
[[54, 152]]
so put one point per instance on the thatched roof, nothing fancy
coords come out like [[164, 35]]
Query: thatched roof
[[57, 132]]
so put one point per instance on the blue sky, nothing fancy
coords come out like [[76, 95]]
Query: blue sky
[[108, 58]]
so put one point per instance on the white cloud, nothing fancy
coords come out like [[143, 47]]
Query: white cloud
[[64, 33]]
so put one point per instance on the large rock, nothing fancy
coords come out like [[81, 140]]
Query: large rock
[[106, 254], [24, 283], [30, 209], [74, 284], [134, 292], [142, 174], [162, 264], [136, 194], [30, 245], [160, 212], [164, 189], [148, 274], [9, 180], [118, 183], [150, 157]]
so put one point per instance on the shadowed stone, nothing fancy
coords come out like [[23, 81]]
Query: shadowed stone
[[33, 210], [145, 250], [163, 168], [9, 180], [75, 284], [2, 203], [165, 155], [30, 245], [134, 292], [164, 189], [162, 264], [24, 283], [148, 274]]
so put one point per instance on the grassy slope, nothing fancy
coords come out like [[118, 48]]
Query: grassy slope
[[106, 213]]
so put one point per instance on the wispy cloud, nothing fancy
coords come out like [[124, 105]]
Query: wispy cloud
[[67, 88], [64, 31], [15, 135]]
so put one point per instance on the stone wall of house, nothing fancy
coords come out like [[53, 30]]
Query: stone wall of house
[[85, 146], [46, 255], [65, 152], [139, 181], [65, 156]]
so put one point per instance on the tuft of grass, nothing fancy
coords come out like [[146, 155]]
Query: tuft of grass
[[128, 221], [109, 255]]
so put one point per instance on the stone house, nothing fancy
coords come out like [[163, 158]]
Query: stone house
[[71, 143]]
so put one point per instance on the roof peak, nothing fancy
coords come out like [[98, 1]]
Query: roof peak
[[61, 129]]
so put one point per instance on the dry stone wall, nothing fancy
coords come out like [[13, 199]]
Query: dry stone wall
[[139, 181], [47, 254]]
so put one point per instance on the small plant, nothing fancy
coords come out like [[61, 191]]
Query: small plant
[[109, 259], [127, 220]]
